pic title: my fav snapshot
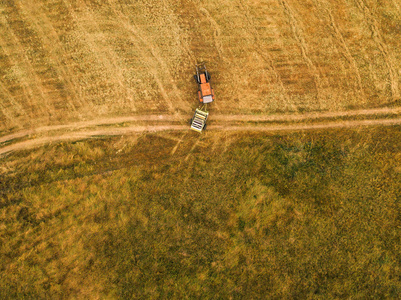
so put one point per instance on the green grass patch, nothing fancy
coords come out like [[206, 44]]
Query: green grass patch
[[303, 215]]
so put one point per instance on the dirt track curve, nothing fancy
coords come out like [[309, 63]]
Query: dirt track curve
[[149, 123]]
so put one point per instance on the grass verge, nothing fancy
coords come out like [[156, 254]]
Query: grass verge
[[311, 214]]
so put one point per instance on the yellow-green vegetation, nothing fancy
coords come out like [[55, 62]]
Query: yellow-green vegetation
[[243, 216]]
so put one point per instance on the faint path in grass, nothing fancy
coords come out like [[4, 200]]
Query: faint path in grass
[[73, 136], [158, 65], [156, 123], [297, 31], [347, 53], [84, 124], [376, 33], [178, 144], [293, 127], [263, 53], [216, 32], [308, 116], [56, 50]]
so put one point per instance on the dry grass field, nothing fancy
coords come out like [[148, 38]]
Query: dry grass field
[[291, 193], [71, 60]]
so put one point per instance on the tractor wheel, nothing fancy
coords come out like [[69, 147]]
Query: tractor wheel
[[204, 127], [197, 79], [207, 75], [190, 121]]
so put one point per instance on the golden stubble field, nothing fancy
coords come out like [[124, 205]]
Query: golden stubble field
[[64, 61]]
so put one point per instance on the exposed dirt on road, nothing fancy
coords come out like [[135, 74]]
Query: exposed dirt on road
[[217, 117], [306, 116], [155, 123]]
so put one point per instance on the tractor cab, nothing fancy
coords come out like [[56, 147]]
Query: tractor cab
[[205, 90], [205, 96]]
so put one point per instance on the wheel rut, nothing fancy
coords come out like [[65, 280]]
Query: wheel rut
[[31, 138], [377, 37]]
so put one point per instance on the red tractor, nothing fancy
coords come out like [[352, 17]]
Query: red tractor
[[205, 90]]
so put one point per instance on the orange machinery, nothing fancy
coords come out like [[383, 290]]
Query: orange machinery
[[205, 90]]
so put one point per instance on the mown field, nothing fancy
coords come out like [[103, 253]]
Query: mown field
[[69, 60], [298, 215]]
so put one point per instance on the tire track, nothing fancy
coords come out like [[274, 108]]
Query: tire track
[[178, 144], [216, 117], [85, 124], [183, 43], [102, 52], [307, 116], [297, 127], [24, 64], [51, 41], [383, 48], [73, 136], [30, 144], [216, 32], [112, 64], [297, 32], [266, 57], [27, 91], [5, 113], [337, 34], [153, 49], [16, 107], [76, 131], [192, 149]]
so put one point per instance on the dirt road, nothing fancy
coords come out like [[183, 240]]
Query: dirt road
[[154, 123]]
